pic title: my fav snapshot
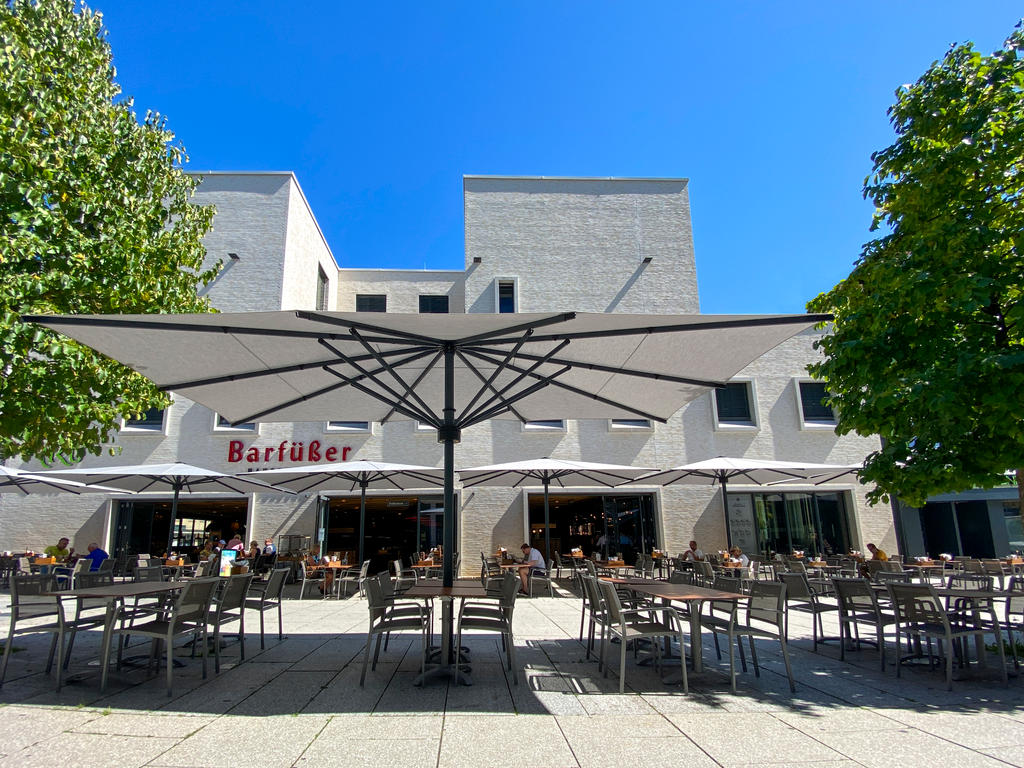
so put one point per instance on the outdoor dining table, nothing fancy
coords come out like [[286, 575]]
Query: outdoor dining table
[[693, 596], [113, 594], [450, 659]]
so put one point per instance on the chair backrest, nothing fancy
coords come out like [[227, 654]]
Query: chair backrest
[[235, 590], [891, 566], [705, 571], [918, 604], [193, 603], [611, 601], [149, 573], [1015, 598], [275, 584], [593, 593], [591, 568], [26, 598], [82, 566], [203, 568], [397, 565], [797, 586], [107, 566], [993, 567], [767, 603], [887, 577], [970, 581], [855, 595], [973, 566], [364, 569], [679, 577], [375, 598]]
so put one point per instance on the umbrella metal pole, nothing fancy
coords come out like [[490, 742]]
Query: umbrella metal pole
[[449, 435], [547, 526], [174, 517], [725, 511], [362, 520]]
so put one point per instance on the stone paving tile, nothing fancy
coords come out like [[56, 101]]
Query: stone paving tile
[[149, 724], [975, 730], [469, 741], [837, 719], [290, 692], [897, 749], [738, 738], [99, 750], [421, 753], [21, 726], [213, 746], [1009, 755]]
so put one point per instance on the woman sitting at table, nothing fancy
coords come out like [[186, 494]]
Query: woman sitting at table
[[315, 560], [737, 554]]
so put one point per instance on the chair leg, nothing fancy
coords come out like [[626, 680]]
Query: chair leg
[[170, 665], [376, 653], [622, 666], [732, 664], [263, 644], [789, 669], [241, 631], [366, 658], [7, 653], [280, 621]]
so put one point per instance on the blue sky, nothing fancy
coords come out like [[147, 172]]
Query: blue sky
[[772, 110]]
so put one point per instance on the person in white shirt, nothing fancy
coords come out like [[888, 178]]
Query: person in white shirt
[[533, 561], [737, 554], [693, 553]]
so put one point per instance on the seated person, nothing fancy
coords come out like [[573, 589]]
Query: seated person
[[96, 555], [737, 554], [533, 560], [60, 551], [876, 553], [694, 553]]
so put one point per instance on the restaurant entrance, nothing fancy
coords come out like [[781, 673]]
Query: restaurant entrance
[[815, 523], [396, 527], [142, 526], [595, 523]]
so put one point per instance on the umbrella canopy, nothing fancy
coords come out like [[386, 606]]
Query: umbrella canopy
[[349, 475], [448, 371], [18, 481], [174, 478], [722, 470], [546, 471]]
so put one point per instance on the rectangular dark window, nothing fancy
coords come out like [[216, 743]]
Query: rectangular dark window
[[321, 289], [733, 403], [371, 302], [506, 296], [348, 426], [631, 423], [434, 305], [815, 411], [152, 421], [547, 424], [248, 426]]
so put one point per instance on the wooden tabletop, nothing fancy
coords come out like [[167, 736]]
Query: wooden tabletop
[[122, 589], [629, 581], [687, 592], [434, 588]]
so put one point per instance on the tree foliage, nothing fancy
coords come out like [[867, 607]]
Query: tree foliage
[[926, 348], [94, 218]]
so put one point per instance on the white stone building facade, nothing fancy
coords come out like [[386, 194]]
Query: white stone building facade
[[531, 245]]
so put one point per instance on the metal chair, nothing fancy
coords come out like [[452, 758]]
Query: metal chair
[[188, 615], [1015, 614], [491, 617], [858, 604], [266, 596], [543, 577], [920, 614], [800, 596], [353, 577], [628, 626], [311, 578], [227, 607], [386, 618], [764, 617]]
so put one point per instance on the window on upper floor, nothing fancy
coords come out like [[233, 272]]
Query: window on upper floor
[[734, 405], [322, 286], [151, 421], [506, 296], [371, 302], [630, 425], [434, 305], [348, 426], [220, 424], [814, 411], [545, 425]]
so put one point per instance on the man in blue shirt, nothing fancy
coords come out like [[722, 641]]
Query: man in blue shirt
[[97, 556]]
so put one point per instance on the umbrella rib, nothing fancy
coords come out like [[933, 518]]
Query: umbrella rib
[[365, 374], [409, 388], [116, 322], [487, 385], [506, 404], [396, 335], [499, 395], [590, 395], [416, 354], [676, 328], [624, 371], [490, 379], [559, 318], [401, 407], [429, 367]]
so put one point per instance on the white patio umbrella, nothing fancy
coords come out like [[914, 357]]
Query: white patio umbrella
[[562, 472], [349, 475], [722, 470], [175, 478], [19, 481], [448, 371]]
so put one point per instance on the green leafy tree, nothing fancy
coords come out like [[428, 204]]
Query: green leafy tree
[[94, 218], [927, 348]]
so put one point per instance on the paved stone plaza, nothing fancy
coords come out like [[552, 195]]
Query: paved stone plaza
[[299, 703]]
